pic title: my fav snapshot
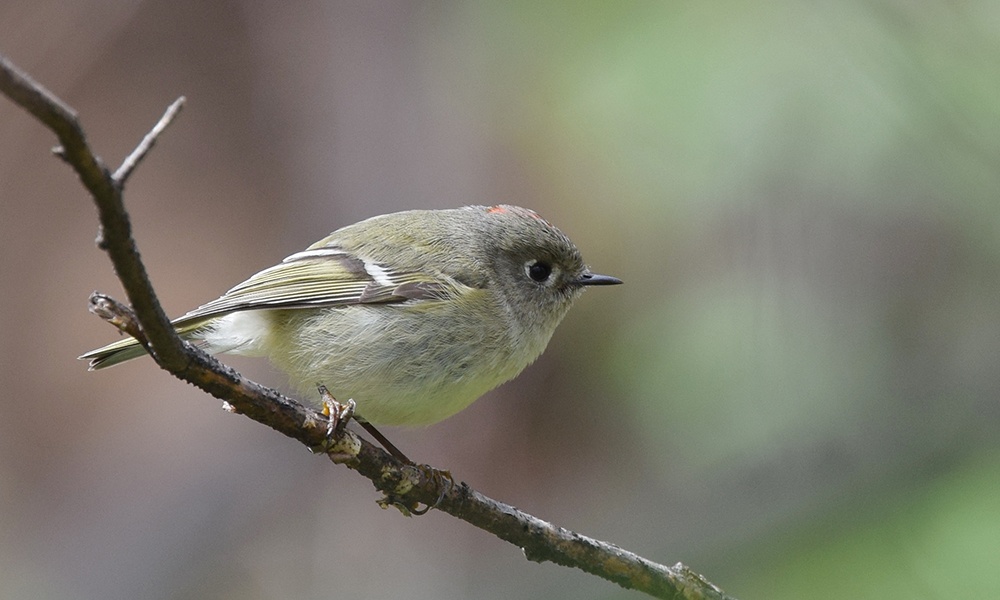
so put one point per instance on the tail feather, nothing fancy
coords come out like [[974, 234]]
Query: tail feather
[[113, 354], [127, 349]]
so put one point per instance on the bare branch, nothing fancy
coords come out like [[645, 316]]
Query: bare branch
[[404, 485], [119, 315], [132, 160], [116, 230], [58, 117]]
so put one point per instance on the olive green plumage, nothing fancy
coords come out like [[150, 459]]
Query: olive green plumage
[[413, 315]]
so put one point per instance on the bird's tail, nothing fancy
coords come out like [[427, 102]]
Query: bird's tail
[[127, 349]]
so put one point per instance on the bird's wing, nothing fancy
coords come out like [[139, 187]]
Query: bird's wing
[[325, 276]]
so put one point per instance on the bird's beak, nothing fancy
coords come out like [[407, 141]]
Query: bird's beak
[[589, 278]]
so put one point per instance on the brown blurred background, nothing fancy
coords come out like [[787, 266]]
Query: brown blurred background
[[795, 393]]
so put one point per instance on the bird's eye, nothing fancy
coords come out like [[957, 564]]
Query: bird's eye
[[539, 271]]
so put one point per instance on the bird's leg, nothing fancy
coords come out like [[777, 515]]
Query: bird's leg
[[381, 439], [337, 413]]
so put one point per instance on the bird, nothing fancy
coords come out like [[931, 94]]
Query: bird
[[412, 315]]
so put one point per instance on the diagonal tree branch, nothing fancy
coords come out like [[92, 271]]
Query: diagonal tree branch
[[148, 141], [403, 485], [116, 230]]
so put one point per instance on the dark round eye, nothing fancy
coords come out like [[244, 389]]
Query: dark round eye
[[539, 271]]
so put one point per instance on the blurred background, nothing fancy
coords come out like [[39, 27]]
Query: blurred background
[[796, 393]]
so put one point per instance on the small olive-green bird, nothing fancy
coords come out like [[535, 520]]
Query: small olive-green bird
[[413, 315]]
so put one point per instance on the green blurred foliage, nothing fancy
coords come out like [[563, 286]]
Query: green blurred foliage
[[934, 541]]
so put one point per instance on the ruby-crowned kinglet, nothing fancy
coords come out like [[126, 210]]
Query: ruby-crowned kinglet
[[413, 315]]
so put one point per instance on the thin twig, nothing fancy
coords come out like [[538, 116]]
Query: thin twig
[[405, 485], [117, 314], [148, 141]]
